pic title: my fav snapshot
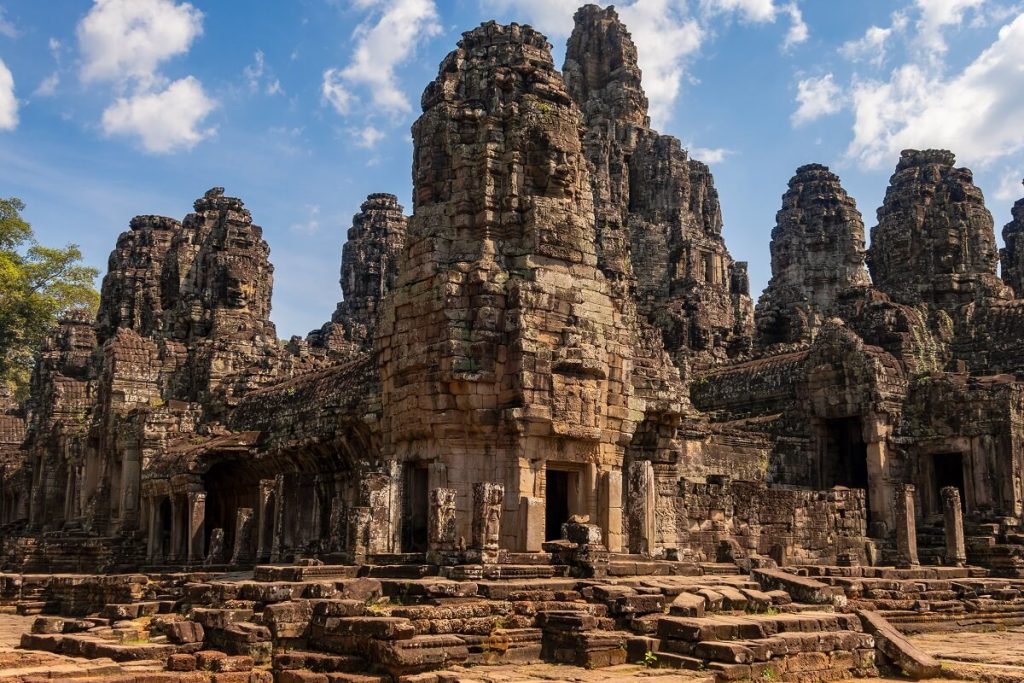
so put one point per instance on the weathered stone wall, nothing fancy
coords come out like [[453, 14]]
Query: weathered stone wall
[[721, 519], [1012, 255]]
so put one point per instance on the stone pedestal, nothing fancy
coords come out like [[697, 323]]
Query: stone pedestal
[[442, 536], [531, 512], [216, 553], [610, 509], [487, 502], [953, 521], [245, 537], [641, 507], [906, 527]]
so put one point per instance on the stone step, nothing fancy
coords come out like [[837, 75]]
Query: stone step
[[752, 626]]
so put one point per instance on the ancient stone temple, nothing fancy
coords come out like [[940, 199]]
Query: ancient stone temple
[[545, 422]]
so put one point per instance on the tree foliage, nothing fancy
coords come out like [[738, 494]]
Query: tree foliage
[[38, 284]]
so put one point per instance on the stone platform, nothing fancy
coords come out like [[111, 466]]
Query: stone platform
[[794, 624]]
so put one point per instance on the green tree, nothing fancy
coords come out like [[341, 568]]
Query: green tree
[[37, 285]]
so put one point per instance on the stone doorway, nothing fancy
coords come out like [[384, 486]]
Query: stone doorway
[[845, 457], [415, 508], [947, 469], [164, 527], [556, 503]]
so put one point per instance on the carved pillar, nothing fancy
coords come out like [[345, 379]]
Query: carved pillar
[[335, 537], [441, 529], [276, 542], [487, 502], [264, 518], [610, 509], [151, 534], [532, 510], [640, 509], [244, 536], [378, 492], [953, 521], [176, 529], [196, 525], [906, 529], [359, 532]]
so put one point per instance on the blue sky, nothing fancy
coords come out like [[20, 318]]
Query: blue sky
[[112, 108]]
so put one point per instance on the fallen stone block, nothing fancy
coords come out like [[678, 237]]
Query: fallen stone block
[[903, 654]]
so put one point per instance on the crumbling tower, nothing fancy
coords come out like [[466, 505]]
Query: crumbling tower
[[658, 218], [1012, 255], [817, 253]]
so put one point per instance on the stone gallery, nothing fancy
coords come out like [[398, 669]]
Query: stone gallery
[[547, 422]]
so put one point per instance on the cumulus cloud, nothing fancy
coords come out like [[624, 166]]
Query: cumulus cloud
[[798, 31], [48, 86], [8, 101], [710, 155], [127, 40], [816, 97], [936, 15], [166, 121], [759, 11], [368, 137], [385, 40], [871, 47], [334, 92], [7, 27], [976, 113], [665, 41]]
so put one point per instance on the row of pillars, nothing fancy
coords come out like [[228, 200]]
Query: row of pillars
[[193, 517], [906, 527], [442, 536]]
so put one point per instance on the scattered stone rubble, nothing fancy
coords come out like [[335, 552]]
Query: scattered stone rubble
[[544, 424]]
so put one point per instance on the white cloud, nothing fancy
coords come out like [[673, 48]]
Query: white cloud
[[7, 28], [8, 101], [759, 11], [665, 41], [311, 225], [165, 121], [976, 113], [936, 15], [817, 97], [387, 39], [552, 17], [368, 137], [48, 86], [258, 76], [870, 48], [127, 40], [1010, 187], [335, 93], [798, 31], [713, 155]]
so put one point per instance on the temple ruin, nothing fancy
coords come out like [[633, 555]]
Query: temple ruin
[[550, 381]]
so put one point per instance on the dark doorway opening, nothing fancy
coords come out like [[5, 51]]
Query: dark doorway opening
[[556, 504], [164, 530], [948, 469], [846, 456], [415, 509]]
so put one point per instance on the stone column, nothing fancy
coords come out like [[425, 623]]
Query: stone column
[[531, 511], [177, 534], [442, 535], [906, 527], [151, 530], [336, 537], [953, 521], [264, 514], [379, 493], [359, 531], [244, 536], [196, 526], [276, 542], [610, 509], [487, 502], [641, 507]]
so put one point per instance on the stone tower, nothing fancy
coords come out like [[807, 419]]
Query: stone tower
[[1013, 254], [658, 217], [934, 242], [506, 353], [817, 253]]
